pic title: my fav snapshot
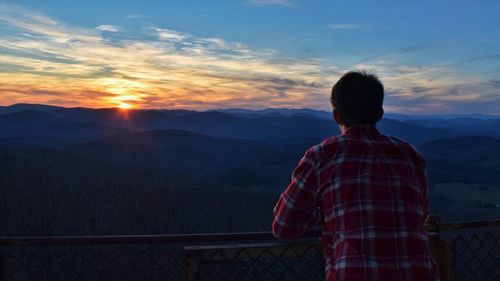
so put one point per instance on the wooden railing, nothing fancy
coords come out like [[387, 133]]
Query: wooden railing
[[462, 251]]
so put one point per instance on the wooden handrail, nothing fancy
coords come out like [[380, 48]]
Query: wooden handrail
[[432, 226]]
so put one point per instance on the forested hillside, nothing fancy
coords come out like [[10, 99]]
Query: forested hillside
[[84, 171]]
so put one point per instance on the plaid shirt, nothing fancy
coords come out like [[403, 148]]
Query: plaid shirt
[[368, 193]]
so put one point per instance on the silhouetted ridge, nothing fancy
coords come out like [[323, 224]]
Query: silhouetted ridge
[[260, 125], [411, 132], [26, 118], [163, 138], [469, 159], [172, 148], [31, 106], [35, 141], [29, 114], [459, 146]]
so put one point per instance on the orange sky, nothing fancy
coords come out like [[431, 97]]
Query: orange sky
[[72, 66], [43, 60]]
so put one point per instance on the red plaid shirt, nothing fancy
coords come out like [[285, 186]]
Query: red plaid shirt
[[368, 192]]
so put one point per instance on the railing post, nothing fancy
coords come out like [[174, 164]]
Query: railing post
[[192, 265], [453, 262], [3, 264], [440, 248]]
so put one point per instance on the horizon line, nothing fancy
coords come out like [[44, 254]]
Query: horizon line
[[241, 108]]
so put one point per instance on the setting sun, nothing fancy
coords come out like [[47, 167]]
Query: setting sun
[[124, 105]]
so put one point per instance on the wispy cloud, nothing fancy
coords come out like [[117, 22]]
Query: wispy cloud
[[423, 89], [337, 26], [134, 16], [41, 25], [414, 48], [108, 28], [170, 35], [286, 3]]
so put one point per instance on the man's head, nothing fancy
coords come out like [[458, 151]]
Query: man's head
[[357, 99]]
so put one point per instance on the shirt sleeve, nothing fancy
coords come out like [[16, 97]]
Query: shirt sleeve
[[423, 180], [297, 210], [425, 194]]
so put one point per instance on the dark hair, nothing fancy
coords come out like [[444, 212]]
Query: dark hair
[[358, 97]]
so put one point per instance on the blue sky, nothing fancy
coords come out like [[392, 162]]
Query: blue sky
[[432, 56]]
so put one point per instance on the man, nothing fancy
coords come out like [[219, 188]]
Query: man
[[367, 191]]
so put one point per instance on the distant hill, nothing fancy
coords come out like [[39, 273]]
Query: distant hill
[[414, 134], [26, 106], [238, 137], [27, 123], [407, 117], [466, 195], [470, 159], [35, 142], [472, 126], [199, 154], [159, 147], [25, 120], [279, 112]]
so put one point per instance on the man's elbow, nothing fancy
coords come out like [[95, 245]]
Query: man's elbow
[[283, 233], [275, 229]]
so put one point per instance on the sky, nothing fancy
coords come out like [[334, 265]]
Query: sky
[[433, 57]]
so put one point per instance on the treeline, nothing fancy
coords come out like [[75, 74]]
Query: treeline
[[47, 192], [61, 192]]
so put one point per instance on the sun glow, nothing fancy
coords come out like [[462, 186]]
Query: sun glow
[[124, 105], [125, 101]]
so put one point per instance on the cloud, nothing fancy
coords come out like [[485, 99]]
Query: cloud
[[286, 3], [494, 56], [108, 28], [43, 26], [418, 89], [134, 16], [494, 83], [414, 48], [343, 26], [438, 89], [170, 35]]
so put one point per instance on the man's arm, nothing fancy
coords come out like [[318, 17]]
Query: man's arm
[[425, 193], [297, 210], [423, 179]]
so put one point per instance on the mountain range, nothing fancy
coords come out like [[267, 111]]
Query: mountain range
[[249, 154], [77, 123]]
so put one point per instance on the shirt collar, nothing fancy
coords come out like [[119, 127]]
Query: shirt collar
[[364, 131]]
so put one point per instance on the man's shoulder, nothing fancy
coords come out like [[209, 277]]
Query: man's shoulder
[[334, 144], [326, 148], [407, 148]]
